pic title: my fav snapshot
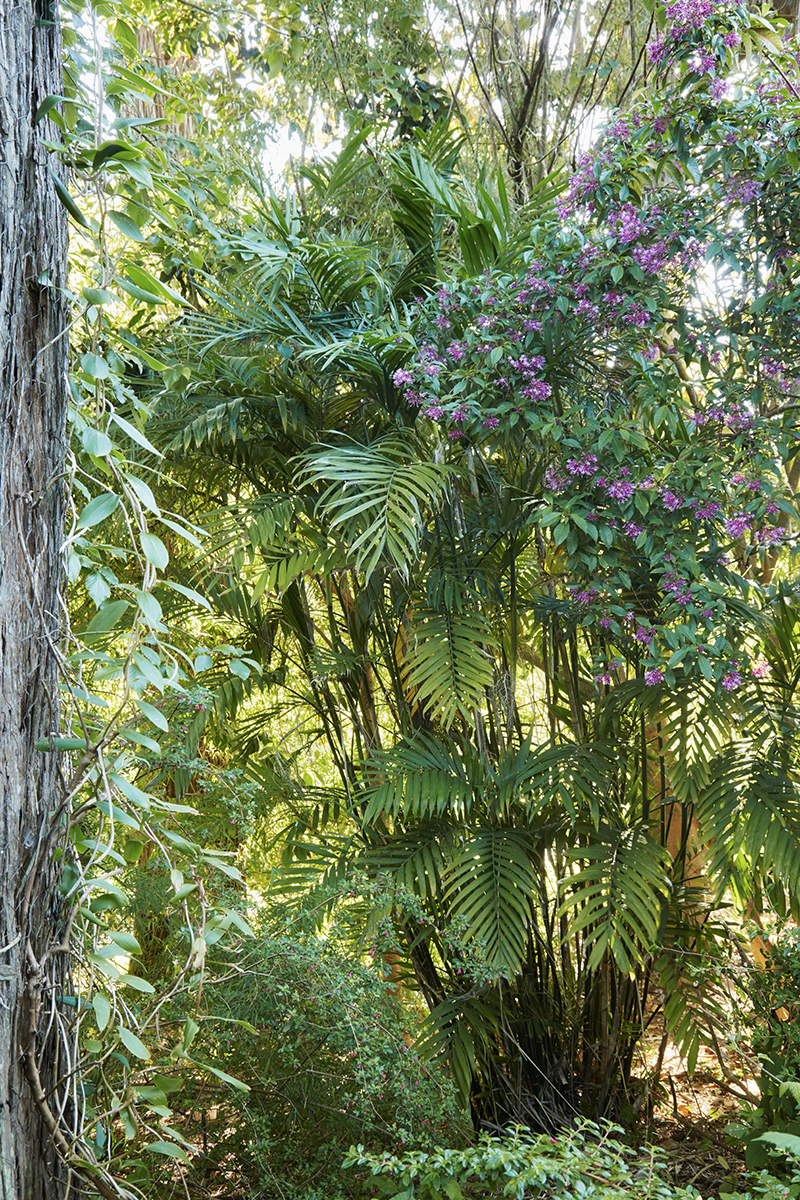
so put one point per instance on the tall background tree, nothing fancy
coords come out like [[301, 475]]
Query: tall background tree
[[33, 403]]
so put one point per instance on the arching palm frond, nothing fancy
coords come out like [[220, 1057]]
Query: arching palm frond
[[617, 900], [491, 885], [449, 664], [420, 778], [416, 860], [749, 815], [379, 494]]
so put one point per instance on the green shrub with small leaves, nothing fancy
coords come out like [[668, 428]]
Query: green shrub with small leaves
[[587, 1163], [773, 993], [328, 1060]]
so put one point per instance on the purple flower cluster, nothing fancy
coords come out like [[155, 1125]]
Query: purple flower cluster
[[658, 49], [678, 589], [651, 259], [738, 525], [671, 500], [703, 63], [628, 223], [733, 679], [587, 465], [555, 479], [740, 188], [620, 489], [772, 369], [707, 511], [654, 676], [689, 14], [583, 184]]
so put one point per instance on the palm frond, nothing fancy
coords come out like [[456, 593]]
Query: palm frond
[[379, 494], [749, 815], [449, 665], [491, 885], [419, 778], [415, 860], [617, 900]]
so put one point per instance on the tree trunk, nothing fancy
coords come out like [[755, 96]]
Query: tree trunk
[[33, 326]]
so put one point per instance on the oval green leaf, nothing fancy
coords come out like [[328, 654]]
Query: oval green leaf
[[154, 550], [127, 226], [131, 1042], [97, 510], [102, 1009]]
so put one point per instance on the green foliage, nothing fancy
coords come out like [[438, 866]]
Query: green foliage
[[409, 528], [773, 993], [324, 1043], [588, 1162]]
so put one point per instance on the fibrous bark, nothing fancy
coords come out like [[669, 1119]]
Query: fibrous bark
[[33, 324]]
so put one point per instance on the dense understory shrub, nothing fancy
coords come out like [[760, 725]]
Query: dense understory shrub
[[326, 1051], [589, 1162], [773, 993]]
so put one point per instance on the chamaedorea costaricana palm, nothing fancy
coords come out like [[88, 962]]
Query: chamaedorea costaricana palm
[[524, 593]]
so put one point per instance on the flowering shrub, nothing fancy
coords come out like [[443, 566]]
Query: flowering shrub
[[632, 348]]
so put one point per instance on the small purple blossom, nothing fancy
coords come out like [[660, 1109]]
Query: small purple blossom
[[654, 676], [621, 489], [760, 669], [587, 465], [738, 525]]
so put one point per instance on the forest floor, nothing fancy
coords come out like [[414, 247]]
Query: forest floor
[[690, 1122]]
